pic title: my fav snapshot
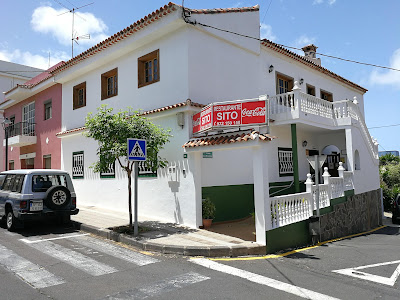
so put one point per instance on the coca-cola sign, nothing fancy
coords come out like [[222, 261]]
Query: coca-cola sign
[[230, 114]]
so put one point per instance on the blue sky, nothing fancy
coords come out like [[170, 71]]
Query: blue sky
[[361, 30]]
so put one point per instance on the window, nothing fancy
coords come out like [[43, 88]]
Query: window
[[326, 96], [47, 161], [284, 84], [148, 68], [11, 165], [145, 170], [110, 173], [77, 165], [109, 84], [28, 119], [9, 182], [79, 95], [41, 183], [310, 90], [47, 110], [17, 183], [285, 161]]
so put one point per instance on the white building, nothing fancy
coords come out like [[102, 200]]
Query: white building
[[167, 57]]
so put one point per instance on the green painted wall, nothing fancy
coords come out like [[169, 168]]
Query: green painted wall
[[232, 202], [289, 236]]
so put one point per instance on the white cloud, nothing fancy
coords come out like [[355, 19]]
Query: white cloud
[[330, 2], [389, 77], [33, 60], [266, 32], [58, 23], [302, 41]]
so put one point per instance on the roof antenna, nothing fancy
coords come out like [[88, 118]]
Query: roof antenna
[[49, 61], [186, 14], [74, 34]]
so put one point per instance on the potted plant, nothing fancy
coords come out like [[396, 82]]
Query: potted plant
[[208, 210]]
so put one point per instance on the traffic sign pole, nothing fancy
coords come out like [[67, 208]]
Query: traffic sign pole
[[136, 227]]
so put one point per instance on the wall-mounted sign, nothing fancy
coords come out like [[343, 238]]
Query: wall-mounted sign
[[227, 114], [207, 155]]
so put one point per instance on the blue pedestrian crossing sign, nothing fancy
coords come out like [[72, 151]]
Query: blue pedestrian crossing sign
[[136, 149]]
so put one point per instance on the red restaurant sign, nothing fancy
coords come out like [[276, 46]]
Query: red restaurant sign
[[230, 114]]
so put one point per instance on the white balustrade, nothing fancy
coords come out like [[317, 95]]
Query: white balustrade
[[324, 199], [337, 187], [282, 103], [348, 180], [315, 106]]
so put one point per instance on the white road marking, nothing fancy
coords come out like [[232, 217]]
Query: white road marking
[[354, 272], [74, 258], [66, 236], [279, 285], [161, 287], [29, 272], [116, 251]]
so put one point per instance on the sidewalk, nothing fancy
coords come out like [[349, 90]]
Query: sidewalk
[[166, 238]]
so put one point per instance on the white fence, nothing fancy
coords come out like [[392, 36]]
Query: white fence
[[288, 209]]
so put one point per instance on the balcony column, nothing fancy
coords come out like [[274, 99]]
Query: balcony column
[[295, 159]]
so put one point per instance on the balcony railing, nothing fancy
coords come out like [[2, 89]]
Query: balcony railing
[[21, 128], [288, 209]]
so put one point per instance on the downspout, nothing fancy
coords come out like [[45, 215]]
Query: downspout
[[295, 159]]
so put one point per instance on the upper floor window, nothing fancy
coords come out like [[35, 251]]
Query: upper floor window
[[28, 119], [284, 84], [148, 68], [109, 84], [79, 95], [310, 89], [47, 110], [326, 96]]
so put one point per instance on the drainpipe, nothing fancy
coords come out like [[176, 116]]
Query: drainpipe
[[295, 159]]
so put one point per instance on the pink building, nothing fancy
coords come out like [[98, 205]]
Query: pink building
[[34, 110]]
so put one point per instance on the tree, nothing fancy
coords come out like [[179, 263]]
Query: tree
[[390, 178], [388, 159], [111, 131]]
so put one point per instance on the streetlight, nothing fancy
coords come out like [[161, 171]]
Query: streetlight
[[6, 123]]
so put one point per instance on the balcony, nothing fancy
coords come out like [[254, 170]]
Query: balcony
[[298, 107], [21, 134]]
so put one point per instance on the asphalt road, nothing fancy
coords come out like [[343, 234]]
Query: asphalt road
[[52, 262]]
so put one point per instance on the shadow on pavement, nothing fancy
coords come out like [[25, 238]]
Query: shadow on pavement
[[45, 227]]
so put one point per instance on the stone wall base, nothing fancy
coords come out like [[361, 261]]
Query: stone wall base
[[361, 212]]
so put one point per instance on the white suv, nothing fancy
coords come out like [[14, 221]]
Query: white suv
[[35, 194]]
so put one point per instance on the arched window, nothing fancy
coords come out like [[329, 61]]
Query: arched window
[[357, 165]]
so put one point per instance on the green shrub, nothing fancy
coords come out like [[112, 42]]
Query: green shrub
[[208, 209]]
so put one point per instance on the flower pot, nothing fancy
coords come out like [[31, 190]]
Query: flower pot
[[207, 223]]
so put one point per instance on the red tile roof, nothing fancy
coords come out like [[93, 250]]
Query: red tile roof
[[223, 10], [37, 79], [273, 46], [187, 103], [228, 139]]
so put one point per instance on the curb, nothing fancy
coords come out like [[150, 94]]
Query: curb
[[147, 245]]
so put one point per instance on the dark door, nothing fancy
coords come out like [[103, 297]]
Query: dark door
[[332, 162]]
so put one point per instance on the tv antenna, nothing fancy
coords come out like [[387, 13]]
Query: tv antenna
[[74, 35]]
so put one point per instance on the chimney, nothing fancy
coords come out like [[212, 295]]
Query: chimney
[[310, 54]]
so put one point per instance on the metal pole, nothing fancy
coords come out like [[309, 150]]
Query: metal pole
[[135, 228], [6, 133]]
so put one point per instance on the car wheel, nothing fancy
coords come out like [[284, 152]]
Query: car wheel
[[10, 221], [57, 197]]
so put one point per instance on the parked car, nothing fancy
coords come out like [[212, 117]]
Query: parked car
[[396, 210], [36, 194]]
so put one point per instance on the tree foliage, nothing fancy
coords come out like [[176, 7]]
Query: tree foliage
[[390, 178]]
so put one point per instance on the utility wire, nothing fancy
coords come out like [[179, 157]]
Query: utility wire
[[266, 11], [330, 56], [384, 126]]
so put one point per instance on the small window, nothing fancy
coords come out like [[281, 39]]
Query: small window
[[110, 173], [2, 178], [109, 84], [47, 161], [11, 165], [145, 170], [284, 84], [79, 95], [41, 183], [148, 68], [326, 96], [17, 184], [8, 182], [47, 110], [285, 161], [77, 165], [310, 90]]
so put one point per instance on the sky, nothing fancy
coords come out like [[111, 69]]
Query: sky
[[361, 30]]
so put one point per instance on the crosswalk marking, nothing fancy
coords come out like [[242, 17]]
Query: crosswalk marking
[[73, 258], [65, 236], [29, 272], [160, 287], [279, 285], [119, 252]]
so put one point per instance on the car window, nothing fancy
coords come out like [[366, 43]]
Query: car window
[[41, 183], [8, 182], [17, 183], [2, 178]]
